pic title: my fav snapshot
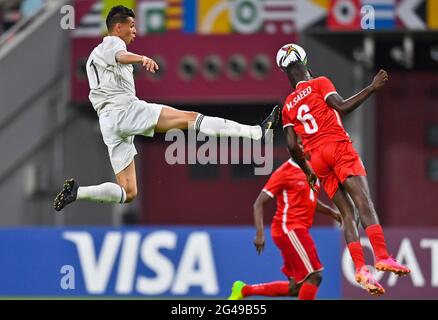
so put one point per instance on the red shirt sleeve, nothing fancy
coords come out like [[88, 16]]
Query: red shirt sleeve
[[285, 117], [325, 87], [274, 185]]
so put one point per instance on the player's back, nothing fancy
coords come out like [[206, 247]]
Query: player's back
[[313, 119], [111, 83], [296, 201]]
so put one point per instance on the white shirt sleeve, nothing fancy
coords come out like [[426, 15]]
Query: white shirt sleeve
[[110, 46]]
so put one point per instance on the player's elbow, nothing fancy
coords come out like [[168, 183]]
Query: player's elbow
[[342, 110], [258, 204], [338, 105]]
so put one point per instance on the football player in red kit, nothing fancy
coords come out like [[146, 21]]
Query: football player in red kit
[[296, 203], [312, 111]]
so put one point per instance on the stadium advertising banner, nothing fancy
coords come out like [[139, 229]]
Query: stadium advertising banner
[[146, 262], [219, 17], [188, 262]]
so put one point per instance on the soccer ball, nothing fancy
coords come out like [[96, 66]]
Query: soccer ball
[[290, 53]]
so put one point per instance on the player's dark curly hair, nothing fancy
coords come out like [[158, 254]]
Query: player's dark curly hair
[[118, 14]]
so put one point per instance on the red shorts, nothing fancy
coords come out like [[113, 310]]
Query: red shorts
[[299, 254], [333, 162]]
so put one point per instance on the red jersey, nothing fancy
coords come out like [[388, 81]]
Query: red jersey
[[312, 118], [296, 201]]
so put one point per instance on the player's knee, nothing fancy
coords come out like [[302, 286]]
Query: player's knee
[[315, 278], [346, 208], [349, 219], [184, 119], [363, 198], [131, 194]]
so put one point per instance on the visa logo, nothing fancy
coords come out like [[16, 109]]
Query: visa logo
[[195, 267]]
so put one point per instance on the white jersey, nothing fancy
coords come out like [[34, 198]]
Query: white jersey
[[111, 83]]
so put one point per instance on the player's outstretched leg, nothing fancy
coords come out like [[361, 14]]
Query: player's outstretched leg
[[227, 128], [171, 118], [67, 195]]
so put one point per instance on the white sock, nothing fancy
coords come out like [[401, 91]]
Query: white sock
[[214, 126], [107, 192]]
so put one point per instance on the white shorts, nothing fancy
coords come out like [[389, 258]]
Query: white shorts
[[119, 126]]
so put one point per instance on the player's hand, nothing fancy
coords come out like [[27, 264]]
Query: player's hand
[[149, 64], [380, 80], [259, 243], [312, 179], [337, 216]]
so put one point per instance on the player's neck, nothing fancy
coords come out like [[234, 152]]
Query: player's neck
[[115, 34], [302, 78], [296, 82]]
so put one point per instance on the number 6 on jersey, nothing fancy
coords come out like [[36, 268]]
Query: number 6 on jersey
[[305, 118]]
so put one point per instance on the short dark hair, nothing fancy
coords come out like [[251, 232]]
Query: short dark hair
[[296, 65], [118, 14]]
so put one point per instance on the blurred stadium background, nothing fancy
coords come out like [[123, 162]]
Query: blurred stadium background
[[189, 233]]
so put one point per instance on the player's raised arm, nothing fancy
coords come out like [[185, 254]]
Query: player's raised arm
[[297, 155], [125, 57], [346, 106], [259, 240]]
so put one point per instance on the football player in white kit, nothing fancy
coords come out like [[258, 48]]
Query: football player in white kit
[[122, 115]]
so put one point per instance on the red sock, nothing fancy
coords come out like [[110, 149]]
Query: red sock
[[307, 291], [356, 253], [377, 239], [271, 289]]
